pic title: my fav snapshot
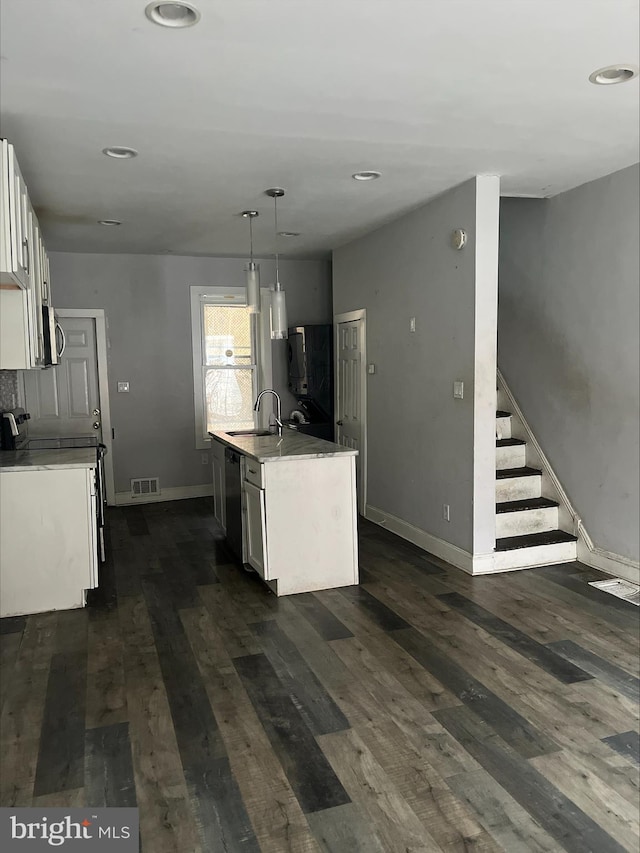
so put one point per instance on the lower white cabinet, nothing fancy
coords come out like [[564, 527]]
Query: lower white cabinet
[[48, 548], [300, 522], [255, 529]]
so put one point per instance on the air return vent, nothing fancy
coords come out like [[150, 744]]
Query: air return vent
[[620, 588], [145, 487]]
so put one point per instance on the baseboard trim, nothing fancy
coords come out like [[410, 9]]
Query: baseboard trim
[[175, 493], [607, 562], [452, 554]]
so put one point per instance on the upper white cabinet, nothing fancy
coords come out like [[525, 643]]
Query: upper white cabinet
[[24, 271], [16, 250]]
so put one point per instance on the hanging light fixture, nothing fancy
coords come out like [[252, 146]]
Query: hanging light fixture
[[278, 305], [252, 269]]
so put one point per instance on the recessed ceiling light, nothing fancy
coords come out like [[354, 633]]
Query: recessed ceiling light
[[109, 222], [176, 14], [613, 74], [288, 233], [120, 152], [366, 176]]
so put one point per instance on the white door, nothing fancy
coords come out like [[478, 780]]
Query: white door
[[64, 400], [350, 408]]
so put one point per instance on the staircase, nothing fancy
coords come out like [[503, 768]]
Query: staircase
[[528, 529]]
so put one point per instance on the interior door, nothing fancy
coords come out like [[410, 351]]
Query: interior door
[[64, 400], [349, 414]]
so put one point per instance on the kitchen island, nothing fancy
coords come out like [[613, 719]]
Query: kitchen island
[[48, 529], [297, 505]]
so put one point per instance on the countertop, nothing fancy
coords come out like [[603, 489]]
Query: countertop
[[46, 460], [290, 445]]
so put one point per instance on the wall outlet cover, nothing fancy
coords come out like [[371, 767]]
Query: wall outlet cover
[[123, 387], [458, 389]]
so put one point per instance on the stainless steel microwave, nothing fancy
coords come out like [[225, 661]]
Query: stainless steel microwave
[[53, 337]]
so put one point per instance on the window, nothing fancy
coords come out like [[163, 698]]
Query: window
[[230, 354]]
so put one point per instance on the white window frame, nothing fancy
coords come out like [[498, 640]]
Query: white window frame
[[222, 296]]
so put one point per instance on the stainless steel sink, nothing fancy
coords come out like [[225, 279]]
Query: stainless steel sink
[[250, 432]]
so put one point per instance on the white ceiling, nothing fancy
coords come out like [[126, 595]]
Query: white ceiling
[[301, 94]]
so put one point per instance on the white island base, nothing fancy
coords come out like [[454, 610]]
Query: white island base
[[299, 509], [310, 524]]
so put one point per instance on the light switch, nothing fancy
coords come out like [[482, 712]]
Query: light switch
[[458, 389], [412, 324], [123, 387], [371, 368]]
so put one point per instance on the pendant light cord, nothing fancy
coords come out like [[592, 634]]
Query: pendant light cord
[[251, 236], [275, 208]]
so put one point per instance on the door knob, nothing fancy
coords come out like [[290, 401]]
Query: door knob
[[96, 412], [339, 423], [96, 425]]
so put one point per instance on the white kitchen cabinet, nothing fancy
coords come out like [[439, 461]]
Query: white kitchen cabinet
[[16, 249], [219, 491], [48, 548], [255, 528], [300, 529], [24, 272]]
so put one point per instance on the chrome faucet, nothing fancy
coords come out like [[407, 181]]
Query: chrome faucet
[[256, 407]]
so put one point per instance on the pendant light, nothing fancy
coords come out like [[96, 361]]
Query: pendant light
[[279, 329], [252, 269]]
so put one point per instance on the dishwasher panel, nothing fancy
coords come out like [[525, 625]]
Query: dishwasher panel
[[233, 502]]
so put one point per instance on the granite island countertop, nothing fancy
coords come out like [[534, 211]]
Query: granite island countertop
[[46, 460], [290, 445]]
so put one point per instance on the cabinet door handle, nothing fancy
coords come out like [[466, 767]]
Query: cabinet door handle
[[27, 267], [339, 423], [251, 471], [63, 340]]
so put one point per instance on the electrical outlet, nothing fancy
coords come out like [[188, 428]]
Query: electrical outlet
[[204, 458], [446, 512], [371, 368], [412, 324]]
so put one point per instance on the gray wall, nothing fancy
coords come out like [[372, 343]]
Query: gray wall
[[568, 343], [421, 440], [146, 301]]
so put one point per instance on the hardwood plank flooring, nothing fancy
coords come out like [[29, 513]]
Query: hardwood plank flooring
[[425, 710]]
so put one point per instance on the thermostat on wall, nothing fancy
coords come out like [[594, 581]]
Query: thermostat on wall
[[458, 238]]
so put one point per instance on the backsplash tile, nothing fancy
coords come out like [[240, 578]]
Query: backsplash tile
[[8, 389]]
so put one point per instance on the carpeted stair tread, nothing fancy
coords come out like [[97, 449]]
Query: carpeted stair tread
[[525, 504], [532, 540], [506, 473]]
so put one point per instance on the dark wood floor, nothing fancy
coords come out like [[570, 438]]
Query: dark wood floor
[[422, 711]]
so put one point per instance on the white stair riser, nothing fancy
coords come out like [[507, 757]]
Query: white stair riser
[[527, 521], [540, 555], [514, 456], [503, 427], [518, 488]]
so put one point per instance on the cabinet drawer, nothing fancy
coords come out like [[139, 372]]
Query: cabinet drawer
[[253, 472]]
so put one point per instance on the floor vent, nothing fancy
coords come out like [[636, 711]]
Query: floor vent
[[145, 486], [620, 588]]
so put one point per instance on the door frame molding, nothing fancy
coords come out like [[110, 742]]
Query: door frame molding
[[98, 316], [347, 317]]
